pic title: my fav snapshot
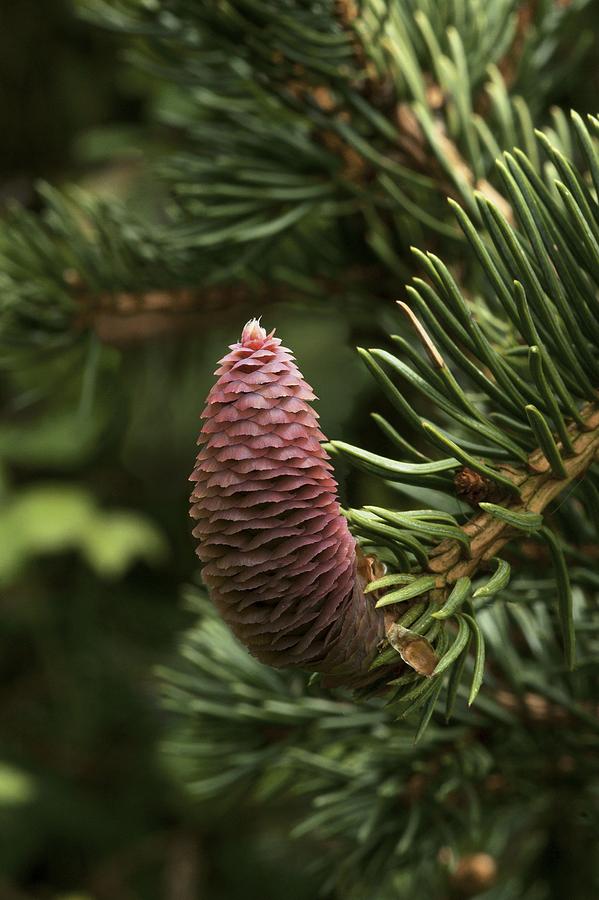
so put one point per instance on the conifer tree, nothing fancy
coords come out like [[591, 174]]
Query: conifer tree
[[432, 711]]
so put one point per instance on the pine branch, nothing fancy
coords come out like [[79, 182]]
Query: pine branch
[[412, 139], [124, 317], [488, 535], [366, 137], [345, 115], [534, 420], [368, 789]]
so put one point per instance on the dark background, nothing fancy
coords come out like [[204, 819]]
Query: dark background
[[94, 529]]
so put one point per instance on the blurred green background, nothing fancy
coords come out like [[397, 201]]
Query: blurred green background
[[94, 532]]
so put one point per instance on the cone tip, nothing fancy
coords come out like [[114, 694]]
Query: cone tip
[[254, 335], [252, 331]]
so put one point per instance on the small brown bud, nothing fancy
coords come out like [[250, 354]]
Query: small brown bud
[[566, 764], [369, 568], [73, 278], [346, 10], [473, 487], [323, 96], [415, 787], [414, 649], [435, 96], [495, 782], [474, 873], [537, 707]]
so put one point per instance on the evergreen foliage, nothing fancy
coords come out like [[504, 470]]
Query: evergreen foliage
[[539, 423], [515, 775], [310, 134]]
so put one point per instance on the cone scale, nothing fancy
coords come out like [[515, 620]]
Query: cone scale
[[278, 558]]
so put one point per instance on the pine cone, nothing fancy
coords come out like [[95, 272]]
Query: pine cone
[[278, 557]]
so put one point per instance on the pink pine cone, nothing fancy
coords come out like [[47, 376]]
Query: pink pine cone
[[278, 557]]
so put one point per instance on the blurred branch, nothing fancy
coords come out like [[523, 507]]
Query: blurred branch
[[508, 66], [182, 872], [411, 138], [126, 317], [110, 881], [11, 892]]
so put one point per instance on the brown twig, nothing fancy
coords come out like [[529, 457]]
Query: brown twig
[[508, 66], [538, 487], [124, 317], [488, 535], [415, 152], [411, 138], [10, 891], [183, 868]]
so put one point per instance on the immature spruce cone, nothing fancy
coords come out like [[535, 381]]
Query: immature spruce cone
[[278, 557]]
